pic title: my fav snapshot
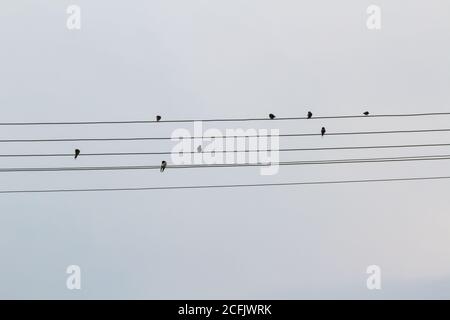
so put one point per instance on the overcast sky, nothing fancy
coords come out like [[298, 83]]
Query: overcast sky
[[212, 59]]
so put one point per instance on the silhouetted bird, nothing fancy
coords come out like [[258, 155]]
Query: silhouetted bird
[[199, 149], [323, 131], [163, 166], [366, 113], [158, 118], [77, 153], [309, 115], [271, 116]]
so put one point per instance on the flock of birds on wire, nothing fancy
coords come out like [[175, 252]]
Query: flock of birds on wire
[[199, 149]]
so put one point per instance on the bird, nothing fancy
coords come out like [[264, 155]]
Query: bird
[[158, 118], [163, 166], [199, 149], [366, 113], [310, 114], [323, 131], [77, 153], [271, 116]]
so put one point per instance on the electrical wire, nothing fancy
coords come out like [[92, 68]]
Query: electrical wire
[[426, 114], [225, 151], [226, 137], [195, 166], [229, 186]]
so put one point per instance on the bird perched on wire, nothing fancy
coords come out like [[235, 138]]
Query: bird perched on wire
[[163, 166], [199, 149], [323, 131], [310, 114], [77, 153], [158, 118], [271, 116], [366, 113]]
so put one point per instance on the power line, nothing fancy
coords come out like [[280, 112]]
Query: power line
[[226, 137], [196, 166], [229, 185], [225, 151], [221, 119]]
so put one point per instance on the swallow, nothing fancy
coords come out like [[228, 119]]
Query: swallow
[[310, 114], [271, 116], [77, 153], [366, 113], [163, 166], [158, 118], [323, 131]]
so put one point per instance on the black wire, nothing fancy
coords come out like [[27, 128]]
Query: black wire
[[224, 151], [195, 166], [229, 185], [225, 137], [221, 119]]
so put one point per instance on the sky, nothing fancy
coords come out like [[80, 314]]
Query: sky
[[224, 59]]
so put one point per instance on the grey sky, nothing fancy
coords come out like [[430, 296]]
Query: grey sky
[[209, 59]]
